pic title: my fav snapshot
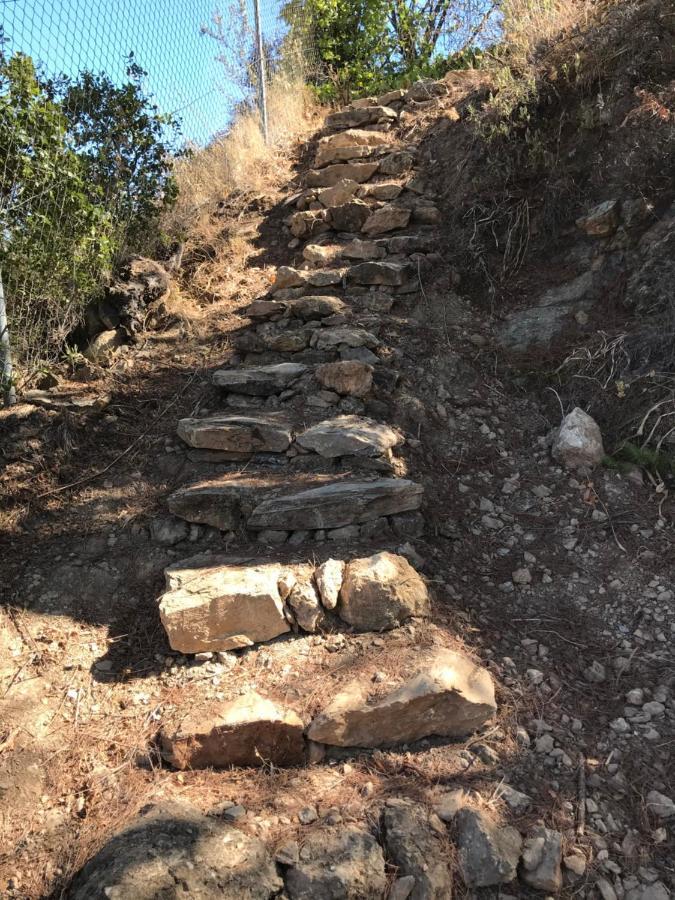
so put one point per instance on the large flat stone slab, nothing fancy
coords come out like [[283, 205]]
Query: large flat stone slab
[[450, 696], [331, 175], [357, 117], [386, 218], [279, 502], [337, 504], [260, 381], [240, 435], [349, 436], [375, 272], [225, 608], [249, 731], [350, 145]]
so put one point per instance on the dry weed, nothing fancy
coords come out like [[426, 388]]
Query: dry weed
[[239, 160]]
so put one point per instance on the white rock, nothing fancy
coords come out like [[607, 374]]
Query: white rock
[[579, 441], [328, 579]]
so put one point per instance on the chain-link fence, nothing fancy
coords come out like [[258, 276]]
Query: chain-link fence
[[96, 97]]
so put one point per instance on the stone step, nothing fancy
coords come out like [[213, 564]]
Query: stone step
[[249, 386], [449, 696], [330, 175], [249, 731], [243, 436], [281, 503], [390, 274], [277, 337], [307, 308], [261, 381], [354, 144], [223, 603], [358, 117]]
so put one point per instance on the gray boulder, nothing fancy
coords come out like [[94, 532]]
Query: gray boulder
[[171, 849], [488, 854], [342, 863], [416, 848]]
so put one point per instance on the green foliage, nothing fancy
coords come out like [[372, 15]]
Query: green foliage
[[120, 138], [366, 46], [654, 461], [85, 175]]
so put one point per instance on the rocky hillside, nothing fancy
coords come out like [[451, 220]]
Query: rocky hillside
[[321, 594]]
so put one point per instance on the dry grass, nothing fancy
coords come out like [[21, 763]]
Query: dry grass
[[240, 160], [530, 25]]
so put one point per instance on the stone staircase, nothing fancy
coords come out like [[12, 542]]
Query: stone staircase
[[319, 488], [302, 473]]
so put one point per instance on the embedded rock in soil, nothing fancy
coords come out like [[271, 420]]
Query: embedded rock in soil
[[349, 217], [340, 192], [224, 608], [382, 190], [309, 223], [449, 697], [172, 845], [349, 436], [322, 254], [579, 441], [343, 863], [261, 381], [349, 335], [602, 220], [101, 348], [488, 855], [240, 435], [347, 377], [328, 579], [326, 277], [265, 309], [358, 117], [349, 145], [336, 504], [388, 273], [397, 163], [416, 849], [357, 171], [288, 277], [381, 592], [386, 218], [542, 856], [316, 307], [248, 731], [304, 601], [358, 249]]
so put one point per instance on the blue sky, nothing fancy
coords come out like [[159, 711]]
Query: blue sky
[[183, 74]]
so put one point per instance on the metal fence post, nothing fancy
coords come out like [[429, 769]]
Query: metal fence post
[[8, 391], [262, 75]]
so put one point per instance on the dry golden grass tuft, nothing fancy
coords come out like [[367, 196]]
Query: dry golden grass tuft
[[240, 160], [531, 24]]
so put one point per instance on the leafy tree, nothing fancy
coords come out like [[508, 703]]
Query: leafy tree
[[125, 144], [85, 175], [350, 39], [56, 237], [367, 44]]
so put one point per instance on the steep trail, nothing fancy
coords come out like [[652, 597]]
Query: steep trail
[[396, 642]]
